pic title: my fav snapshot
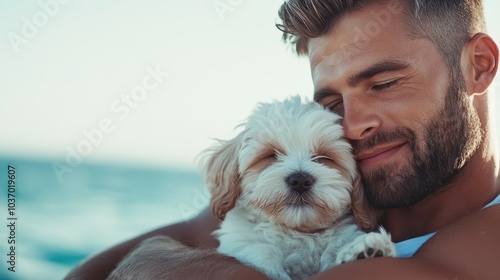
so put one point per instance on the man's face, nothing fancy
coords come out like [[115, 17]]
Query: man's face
[[411, 125]]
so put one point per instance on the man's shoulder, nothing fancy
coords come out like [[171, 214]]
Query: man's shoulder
[[472, 239], [486, 217], [477, 232], [479, 222], [493, 208]]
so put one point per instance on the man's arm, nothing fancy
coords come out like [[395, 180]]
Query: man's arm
[[195, 232], [467, 249], [161, 257]]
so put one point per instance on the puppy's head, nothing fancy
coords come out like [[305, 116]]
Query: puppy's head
[[290, 163]]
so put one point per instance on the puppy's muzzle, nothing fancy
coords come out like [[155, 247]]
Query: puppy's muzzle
[[300, 182]]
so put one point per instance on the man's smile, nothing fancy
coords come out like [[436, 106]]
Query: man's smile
[[378, 155]]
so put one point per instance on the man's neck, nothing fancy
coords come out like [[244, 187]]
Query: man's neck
[[464, 195]]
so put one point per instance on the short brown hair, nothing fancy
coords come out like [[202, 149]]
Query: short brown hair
[[449, 24]]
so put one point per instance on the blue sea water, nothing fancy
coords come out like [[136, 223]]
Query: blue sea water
[[60, 223]]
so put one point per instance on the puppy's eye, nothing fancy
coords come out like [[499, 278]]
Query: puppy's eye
[[270, 156], [323, 160], [262, 161]]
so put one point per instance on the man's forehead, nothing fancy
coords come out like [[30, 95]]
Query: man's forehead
[[324, 69], [329, 61], [358, 38], [322, 48]]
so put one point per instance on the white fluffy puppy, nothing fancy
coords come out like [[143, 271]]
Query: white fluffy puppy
[[289, 195]]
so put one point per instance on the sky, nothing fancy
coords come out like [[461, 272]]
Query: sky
[[146, 82]]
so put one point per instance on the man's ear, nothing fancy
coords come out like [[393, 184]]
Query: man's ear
[[480, 63]]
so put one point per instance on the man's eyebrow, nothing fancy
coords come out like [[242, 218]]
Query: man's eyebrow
[[380, 67]]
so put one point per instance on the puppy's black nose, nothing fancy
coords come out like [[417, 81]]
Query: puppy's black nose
[[300, 182]]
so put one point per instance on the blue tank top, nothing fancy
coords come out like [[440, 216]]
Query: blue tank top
[[407, 248]]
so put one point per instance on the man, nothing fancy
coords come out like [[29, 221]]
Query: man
[[410, 79]]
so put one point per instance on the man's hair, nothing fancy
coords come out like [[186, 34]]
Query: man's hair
[[449, 24]]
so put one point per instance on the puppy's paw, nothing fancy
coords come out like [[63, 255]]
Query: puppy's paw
[[370, 245]]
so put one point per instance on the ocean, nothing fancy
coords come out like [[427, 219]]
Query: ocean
[[56, 224]]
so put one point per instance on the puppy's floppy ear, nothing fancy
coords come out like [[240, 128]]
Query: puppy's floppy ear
[[222, 176], [365, 214]]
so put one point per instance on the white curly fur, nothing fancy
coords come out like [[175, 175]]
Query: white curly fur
[[268, 225]]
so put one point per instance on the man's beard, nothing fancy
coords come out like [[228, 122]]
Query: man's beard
[[450, 139]]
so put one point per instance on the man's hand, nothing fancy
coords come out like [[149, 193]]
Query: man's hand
[[161, 257]]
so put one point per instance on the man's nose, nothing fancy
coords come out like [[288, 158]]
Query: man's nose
[[361, 120]]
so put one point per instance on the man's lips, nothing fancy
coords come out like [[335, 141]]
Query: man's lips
[[378, 154]]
